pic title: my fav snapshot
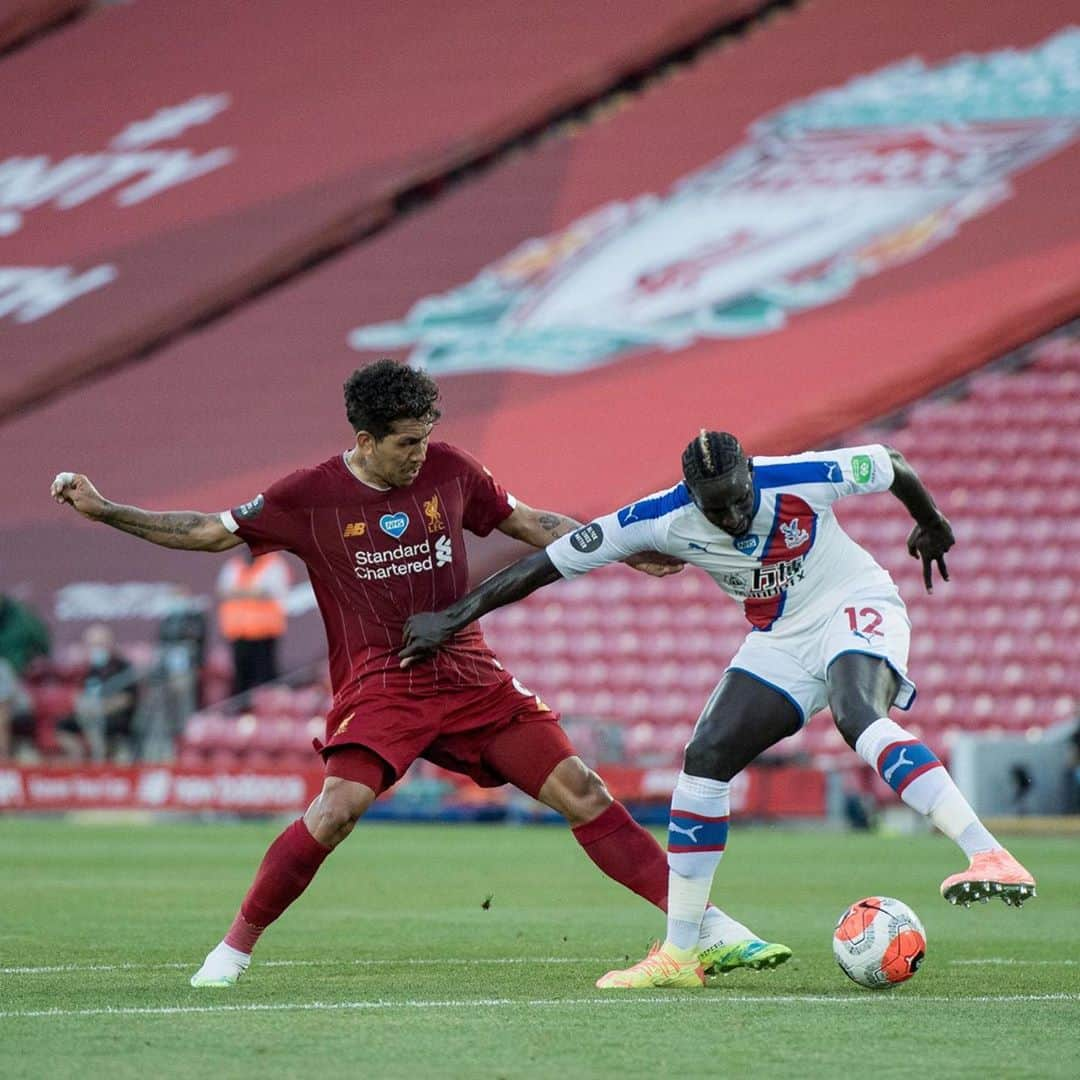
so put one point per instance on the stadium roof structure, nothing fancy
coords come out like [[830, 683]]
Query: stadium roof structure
[[20, 19], [236, 141]]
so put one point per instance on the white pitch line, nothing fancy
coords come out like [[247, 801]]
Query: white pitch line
[[680, 1001], [413, 962], [472, 961], [1006, 960]]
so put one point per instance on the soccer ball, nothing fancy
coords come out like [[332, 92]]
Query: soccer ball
[[879, 942]]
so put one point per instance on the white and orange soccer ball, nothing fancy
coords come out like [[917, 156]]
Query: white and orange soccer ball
[[879, 942]]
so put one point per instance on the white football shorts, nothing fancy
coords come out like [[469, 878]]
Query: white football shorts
[[794, 656]]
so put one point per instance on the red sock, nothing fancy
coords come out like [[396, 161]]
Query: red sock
[[627, 853], [285, 872]]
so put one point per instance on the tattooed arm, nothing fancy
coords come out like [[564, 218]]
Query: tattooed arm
[[540, 527], [184, 529], [536, 527]]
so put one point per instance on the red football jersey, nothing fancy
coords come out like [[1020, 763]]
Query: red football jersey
[[376, 557]]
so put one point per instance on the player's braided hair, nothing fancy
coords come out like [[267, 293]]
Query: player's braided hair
[[385, 391], [711, 454]]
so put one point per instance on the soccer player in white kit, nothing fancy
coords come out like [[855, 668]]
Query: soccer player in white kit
[[829, 628]]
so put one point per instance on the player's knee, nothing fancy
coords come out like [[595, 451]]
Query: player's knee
[[337, 810], [861, 690], [709, 757], [853, 714], [576, 792], [593, 798], [712, 750]]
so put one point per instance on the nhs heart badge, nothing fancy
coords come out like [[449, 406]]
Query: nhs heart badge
[[746, 544], [394, 524]]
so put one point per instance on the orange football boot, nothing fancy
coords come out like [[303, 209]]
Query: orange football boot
[[991, 873], [666, 965]]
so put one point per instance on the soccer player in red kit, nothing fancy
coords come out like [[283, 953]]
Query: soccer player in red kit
[[380, 529]]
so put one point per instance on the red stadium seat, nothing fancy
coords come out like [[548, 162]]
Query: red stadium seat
[[990, 649]]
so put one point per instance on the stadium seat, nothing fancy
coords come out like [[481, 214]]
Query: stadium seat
[[631, 660], [989, 649]]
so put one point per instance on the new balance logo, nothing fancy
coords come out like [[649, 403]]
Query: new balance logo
[[443, 552], [887, 775], [354, 528], [793, 536], [691, 832]]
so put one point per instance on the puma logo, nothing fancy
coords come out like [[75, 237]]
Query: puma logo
[[672, 827], [887, 774]]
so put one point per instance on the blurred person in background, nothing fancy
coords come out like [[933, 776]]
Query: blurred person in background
[[170, 690], [101, 728], [16, 714], [1074, 769], [252, 592], [23, 636], [183, 629], [181, 656]]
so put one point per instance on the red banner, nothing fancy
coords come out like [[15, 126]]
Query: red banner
[[158, 787], [757, 792], [786, 791], [235, 140]]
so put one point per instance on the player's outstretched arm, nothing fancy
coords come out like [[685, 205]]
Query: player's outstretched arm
[[932, 535], [541, 527], [184, 529], [427, 630], [536, 527]]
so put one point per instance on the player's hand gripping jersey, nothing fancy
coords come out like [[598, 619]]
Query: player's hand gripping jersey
[[794, 562], [377, 556]]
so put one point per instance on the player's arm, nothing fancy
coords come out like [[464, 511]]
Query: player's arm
[[588, 547], [932, 535], [184, 529], [425, 631], [536, 527], [540, 527]]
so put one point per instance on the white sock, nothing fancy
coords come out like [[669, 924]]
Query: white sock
[[225, 956], [719, 928], [697, 834], [913, 771]]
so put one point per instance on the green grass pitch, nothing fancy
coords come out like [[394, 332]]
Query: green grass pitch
[[390, 965]]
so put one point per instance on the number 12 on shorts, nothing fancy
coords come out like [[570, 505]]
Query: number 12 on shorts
[[864, 621]]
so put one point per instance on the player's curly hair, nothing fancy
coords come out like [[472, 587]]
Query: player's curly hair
[[711, 454], [385, 391]]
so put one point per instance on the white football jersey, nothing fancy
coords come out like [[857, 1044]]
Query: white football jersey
[[795, 561]]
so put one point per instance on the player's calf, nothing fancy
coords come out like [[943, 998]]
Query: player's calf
[[914, 772], [334, 814]]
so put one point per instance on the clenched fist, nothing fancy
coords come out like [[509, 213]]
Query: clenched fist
[[76, 490]]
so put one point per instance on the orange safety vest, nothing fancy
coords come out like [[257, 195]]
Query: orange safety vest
[[249, 618]]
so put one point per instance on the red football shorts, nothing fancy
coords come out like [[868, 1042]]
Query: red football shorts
[[492, 734]]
